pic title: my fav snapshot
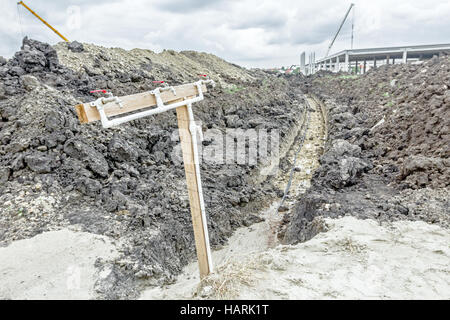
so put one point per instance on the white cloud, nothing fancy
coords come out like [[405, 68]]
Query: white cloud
[[247, 32]]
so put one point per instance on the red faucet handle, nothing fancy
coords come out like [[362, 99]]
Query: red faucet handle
[[100, 90]]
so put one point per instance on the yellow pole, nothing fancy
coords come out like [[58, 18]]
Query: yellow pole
[[45, 22]]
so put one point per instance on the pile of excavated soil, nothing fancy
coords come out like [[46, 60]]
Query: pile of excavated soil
[[411, 104], [386, 156], [115, 65], [123, 182]]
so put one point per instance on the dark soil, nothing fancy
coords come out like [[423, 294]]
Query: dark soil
[[123, 182], [387, 153]]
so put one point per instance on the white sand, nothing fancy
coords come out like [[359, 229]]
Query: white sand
[[355, 259], [52, 265]]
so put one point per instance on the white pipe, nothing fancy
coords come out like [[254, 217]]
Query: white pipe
[[193, 131], [161, 107], [110, 123]]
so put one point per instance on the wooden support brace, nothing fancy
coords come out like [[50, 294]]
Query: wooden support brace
[[86, 113]]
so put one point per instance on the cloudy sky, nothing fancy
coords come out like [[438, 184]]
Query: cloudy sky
[[251, 33]]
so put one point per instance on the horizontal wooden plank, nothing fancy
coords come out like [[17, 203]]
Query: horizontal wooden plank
[[86, 113]]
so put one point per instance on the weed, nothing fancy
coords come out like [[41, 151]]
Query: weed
[[233, 89], [351, 246], [349, 76], [20, 212]]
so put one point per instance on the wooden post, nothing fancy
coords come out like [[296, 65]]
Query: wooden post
[[201, 243]]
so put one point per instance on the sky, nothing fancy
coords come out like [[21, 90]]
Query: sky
[[251, 33]]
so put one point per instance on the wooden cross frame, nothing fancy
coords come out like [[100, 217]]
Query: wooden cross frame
[[139, 105]]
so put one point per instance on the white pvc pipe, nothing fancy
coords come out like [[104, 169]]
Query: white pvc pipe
[[110, 123], [193, 131], [161, 107]]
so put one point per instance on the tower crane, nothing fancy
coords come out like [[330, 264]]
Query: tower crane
[[340, 27], [45, 22]]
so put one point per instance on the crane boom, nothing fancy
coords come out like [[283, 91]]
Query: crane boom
[[45, 22], [340, 27]]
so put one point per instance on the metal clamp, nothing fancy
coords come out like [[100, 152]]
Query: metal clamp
[[165, 87], [103, 100]]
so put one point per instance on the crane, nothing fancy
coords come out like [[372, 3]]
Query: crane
[[45, 22], [340, 27]]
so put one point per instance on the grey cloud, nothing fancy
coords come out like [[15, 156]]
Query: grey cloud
[[49, 6], [182, 6], [269, 21], [319, 34], [9, 44], [306, 35], [242, 31]]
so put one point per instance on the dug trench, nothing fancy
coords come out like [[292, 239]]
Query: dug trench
[[309, 255], [232, 272], [384, 161]]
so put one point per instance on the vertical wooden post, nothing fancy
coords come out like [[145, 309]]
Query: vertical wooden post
[[201, 242]]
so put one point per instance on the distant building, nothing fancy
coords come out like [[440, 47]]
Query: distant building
[[361, 60]]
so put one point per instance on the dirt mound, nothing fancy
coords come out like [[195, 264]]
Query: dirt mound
[[116, 65], [124, 182], [408, 113], [386, 157]]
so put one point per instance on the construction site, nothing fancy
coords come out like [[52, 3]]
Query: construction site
[[131, 174]]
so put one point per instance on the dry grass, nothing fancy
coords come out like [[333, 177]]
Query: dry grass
[[226, 280], [351, 246], [319, 224]]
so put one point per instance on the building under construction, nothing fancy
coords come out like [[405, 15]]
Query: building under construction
[[361, 60]]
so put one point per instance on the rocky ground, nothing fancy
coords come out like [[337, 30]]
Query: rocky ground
[[123, 182], [386, 156]]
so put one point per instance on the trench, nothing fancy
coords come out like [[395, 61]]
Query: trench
[[261, 236]]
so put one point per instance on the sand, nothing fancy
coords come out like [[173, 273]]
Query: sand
[[354, 259], [53, 265]]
